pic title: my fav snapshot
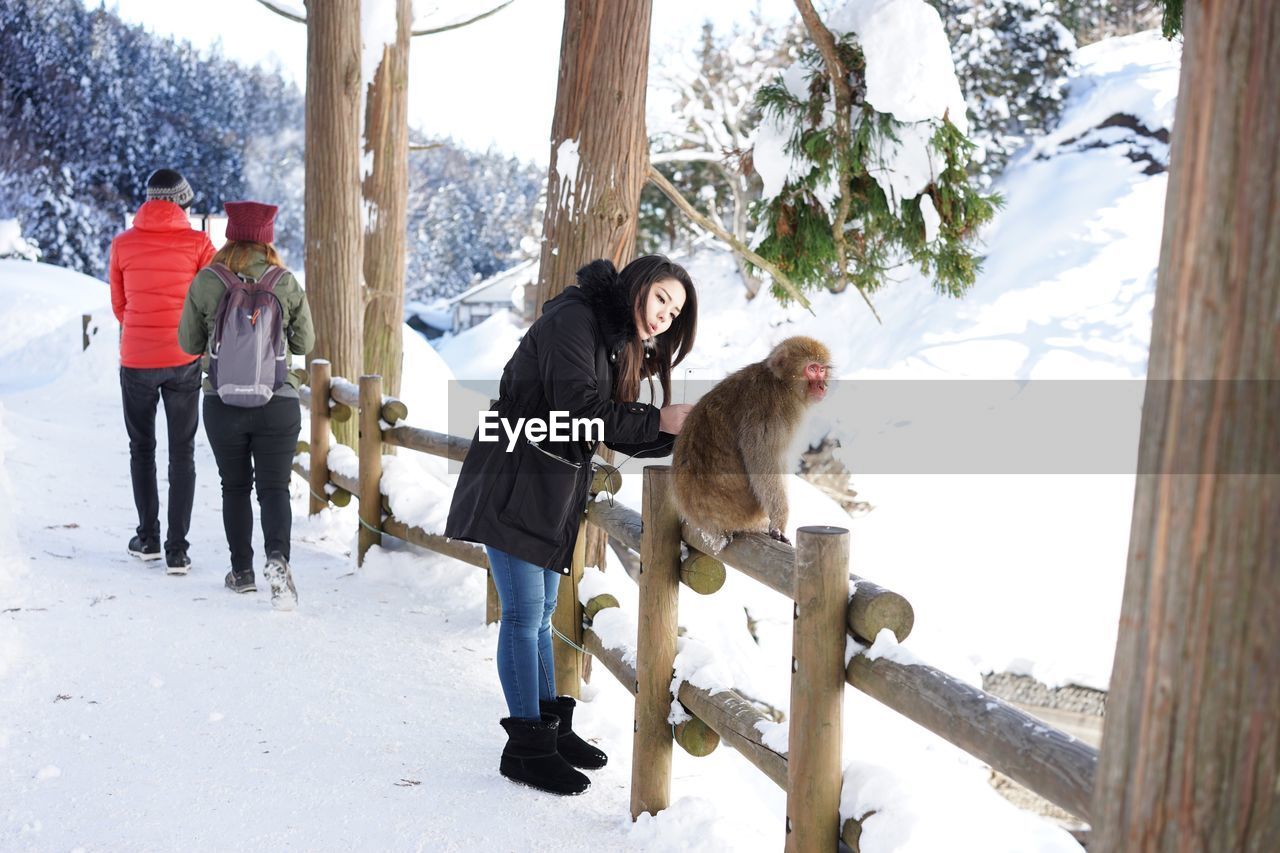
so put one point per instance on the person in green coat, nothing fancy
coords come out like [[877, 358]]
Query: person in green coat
[[254, 446]]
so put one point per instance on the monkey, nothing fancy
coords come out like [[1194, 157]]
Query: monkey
[[728, 461]]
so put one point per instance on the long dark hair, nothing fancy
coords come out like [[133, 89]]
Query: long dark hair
[[667, 349]]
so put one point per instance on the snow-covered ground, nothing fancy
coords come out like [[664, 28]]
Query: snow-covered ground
[[145, 712]]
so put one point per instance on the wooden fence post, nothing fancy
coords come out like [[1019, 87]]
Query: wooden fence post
[[319, 434], [814, 766], [370, 455], [656, 644], [567, 619]]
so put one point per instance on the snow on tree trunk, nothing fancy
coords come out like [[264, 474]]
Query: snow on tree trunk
[[386, 192], [1190, 756], [333, 231], [599, 150]]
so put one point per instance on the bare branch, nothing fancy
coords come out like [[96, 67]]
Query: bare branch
[[460, 24], [738, 246], [282, 12], [686, 155]]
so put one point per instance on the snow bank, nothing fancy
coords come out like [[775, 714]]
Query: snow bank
[[41, 327]]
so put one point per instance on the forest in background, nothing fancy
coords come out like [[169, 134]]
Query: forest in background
[[90, 105]]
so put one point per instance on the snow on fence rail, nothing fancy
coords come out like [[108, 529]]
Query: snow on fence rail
[[830, 606]]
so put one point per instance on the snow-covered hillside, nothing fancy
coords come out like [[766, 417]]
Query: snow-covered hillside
[[140, 711]]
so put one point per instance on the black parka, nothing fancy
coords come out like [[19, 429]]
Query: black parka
[[528, 501]]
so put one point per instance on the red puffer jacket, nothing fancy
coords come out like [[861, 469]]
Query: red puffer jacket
[[152, 265]]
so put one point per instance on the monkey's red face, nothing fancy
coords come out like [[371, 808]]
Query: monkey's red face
[[660, 309], [816, 376]]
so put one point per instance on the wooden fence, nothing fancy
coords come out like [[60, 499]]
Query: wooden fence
[[814, 575]]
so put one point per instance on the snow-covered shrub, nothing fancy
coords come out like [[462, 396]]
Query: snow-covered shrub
[[14, 245]]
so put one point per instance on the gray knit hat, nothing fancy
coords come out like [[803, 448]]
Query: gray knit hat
[[169, 185]]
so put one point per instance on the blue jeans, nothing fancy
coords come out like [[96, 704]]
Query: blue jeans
[[526, 667]]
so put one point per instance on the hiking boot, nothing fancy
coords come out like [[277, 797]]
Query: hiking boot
[[572, 748], [284, 596], [530, 757], [176, 563], [241, 581], [144, 549]]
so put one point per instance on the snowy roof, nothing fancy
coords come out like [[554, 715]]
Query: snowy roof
[[498, 288]]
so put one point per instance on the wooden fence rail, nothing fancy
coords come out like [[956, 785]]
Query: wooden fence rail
[[830, 604]]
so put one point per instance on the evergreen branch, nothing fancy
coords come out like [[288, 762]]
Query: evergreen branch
[[836, 71], [667, 189], [1171, 20]]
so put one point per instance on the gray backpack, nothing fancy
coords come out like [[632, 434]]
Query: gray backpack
[[246, 357]]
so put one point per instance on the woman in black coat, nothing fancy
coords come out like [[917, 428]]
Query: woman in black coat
[[586, 356]]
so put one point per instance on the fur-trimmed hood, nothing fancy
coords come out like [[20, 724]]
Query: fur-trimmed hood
[[598, 282]]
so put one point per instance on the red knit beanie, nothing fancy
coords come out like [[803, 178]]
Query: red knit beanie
[[251, 221]]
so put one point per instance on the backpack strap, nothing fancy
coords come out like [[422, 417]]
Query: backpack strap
[[271, 277], [228, 278]]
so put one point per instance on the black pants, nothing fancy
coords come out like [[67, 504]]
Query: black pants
[[141, 390], [254, 448]]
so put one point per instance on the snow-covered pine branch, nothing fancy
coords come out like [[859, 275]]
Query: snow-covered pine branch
[[907, 192]]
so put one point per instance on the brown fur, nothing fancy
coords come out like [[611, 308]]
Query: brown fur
[[730, 474]]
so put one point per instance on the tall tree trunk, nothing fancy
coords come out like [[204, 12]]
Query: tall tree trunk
[[386, 193], [333, 232], [593, 195], [1191, 752]]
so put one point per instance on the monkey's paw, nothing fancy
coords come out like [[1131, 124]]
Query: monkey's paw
[[775, 533]]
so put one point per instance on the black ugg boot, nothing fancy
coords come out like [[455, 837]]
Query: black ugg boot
[[575, 750], [530, 757]]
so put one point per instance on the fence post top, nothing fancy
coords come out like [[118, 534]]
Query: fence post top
[[370, 376], [320, 361], [822, 530]]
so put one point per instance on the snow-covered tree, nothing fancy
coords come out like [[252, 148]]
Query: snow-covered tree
[[1012, 58], [864, 156], [89, 106], [1092, 20], [468, 214]]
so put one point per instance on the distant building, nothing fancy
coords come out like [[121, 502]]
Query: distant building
[[509, 290]]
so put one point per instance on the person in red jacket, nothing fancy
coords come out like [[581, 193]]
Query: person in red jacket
[[152, 265]]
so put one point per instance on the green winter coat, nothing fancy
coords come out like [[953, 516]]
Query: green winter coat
[[195, 329]]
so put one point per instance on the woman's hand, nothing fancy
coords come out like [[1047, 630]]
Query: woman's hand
[[671, 418]]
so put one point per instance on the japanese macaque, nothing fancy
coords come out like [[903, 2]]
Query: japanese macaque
[[729, 466]]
